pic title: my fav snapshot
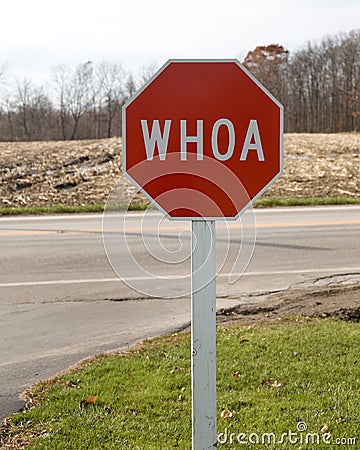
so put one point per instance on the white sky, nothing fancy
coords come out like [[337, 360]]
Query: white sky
[[36, 35]]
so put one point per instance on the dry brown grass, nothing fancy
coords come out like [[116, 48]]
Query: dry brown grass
[[84, 172]]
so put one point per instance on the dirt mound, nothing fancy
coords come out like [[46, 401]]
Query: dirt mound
[[84, 172], [332, 296]]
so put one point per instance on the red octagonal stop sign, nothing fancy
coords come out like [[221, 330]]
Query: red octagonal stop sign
[[202, 139]]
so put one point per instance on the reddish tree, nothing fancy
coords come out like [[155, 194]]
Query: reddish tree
[[269, 64]]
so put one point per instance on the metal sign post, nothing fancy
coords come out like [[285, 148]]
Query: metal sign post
[[203, 335]]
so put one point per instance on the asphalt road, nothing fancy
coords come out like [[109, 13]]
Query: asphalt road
[[61, 300]]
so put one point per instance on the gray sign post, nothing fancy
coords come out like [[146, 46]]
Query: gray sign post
[[203, 334]]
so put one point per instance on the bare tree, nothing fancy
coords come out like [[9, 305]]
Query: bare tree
[[34, 111], [130, 87], [111, 79], [351, 78], [6, 106], [146, 72], [8, 114], [61, 76], [23, 101], [75, 94], [80, 93], [3, 70]]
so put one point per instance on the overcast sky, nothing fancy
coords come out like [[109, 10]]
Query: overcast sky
[[36, 35]]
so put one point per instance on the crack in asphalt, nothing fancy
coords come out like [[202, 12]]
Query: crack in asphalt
[[343, 279], [337, 279]]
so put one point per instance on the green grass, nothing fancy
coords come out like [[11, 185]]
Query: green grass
[[265, 202], [305, 201], [65, 209], [270, 377]]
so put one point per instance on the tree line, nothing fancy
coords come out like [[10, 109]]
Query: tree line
[[319, 86], [83, 102]]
